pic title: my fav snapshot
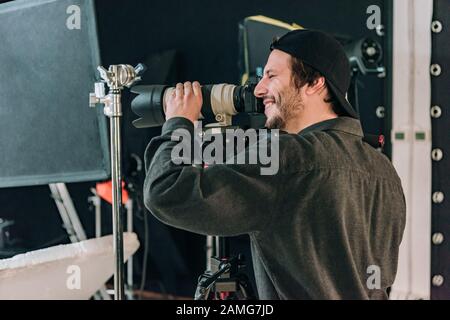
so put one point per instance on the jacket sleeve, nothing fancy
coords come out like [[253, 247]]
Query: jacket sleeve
[[223, 199]]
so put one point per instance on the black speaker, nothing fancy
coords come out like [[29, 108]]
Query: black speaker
[[48, 58]]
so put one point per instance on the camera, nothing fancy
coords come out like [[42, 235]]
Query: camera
[[220, 103]]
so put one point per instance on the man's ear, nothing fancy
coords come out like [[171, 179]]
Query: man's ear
[[317, 87]]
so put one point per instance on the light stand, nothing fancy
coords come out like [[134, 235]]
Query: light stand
[[116, 77]]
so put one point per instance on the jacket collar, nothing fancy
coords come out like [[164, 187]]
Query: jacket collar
[[344, 124]]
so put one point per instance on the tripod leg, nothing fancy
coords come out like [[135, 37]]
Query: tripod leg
[[209, 251]]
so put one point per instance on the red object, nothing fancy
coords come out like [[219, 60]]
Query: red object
[[224, 295], [381, 140], [104, 191]]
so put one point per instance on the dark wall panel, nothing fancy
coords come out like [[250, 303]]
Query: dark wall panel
[[440, 98]]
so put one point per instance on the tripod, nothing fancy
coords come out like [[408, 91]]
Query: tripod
[[224, 280]]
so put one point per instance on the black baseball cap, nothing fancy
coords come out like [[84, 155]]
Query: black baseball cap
[[325, 54]]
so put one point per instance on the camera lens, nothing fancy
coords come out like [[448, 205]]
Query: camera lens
[[223, 99]]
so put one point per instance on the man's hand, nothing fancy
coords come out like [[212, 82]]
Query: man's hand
[[185, 101]]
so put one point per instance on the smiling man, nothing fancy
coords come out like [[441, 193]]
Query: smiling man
[[297, 95], [329, 223]]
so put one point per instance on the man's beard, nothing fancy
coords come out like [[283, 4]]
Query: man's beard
[[288, 105]]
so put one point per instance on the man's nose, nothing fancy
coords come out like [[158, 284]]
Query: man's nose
[[260, 89]]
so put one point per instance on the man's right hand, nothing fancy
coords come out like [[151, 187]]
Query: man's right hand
[[185, 101]]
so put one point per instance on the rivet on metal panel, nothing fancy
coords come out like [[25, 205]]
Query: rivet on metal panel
[[435, 112], [436, 26], [438, 197], [435, 70], [437, 280], [380, 112], [437, 154], [437, 238]]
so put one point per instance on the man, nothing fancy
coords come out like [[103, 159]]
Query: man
[[329, 223]]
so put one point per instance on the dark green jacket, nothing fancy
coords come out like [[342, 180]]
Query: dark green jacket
[[319, 228]]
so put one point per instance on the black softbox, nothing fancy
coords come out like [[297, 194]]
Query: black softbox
[[48, 59]]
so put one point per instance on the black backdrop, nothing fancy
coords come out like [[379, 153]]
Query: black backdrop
[[205, 37]]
